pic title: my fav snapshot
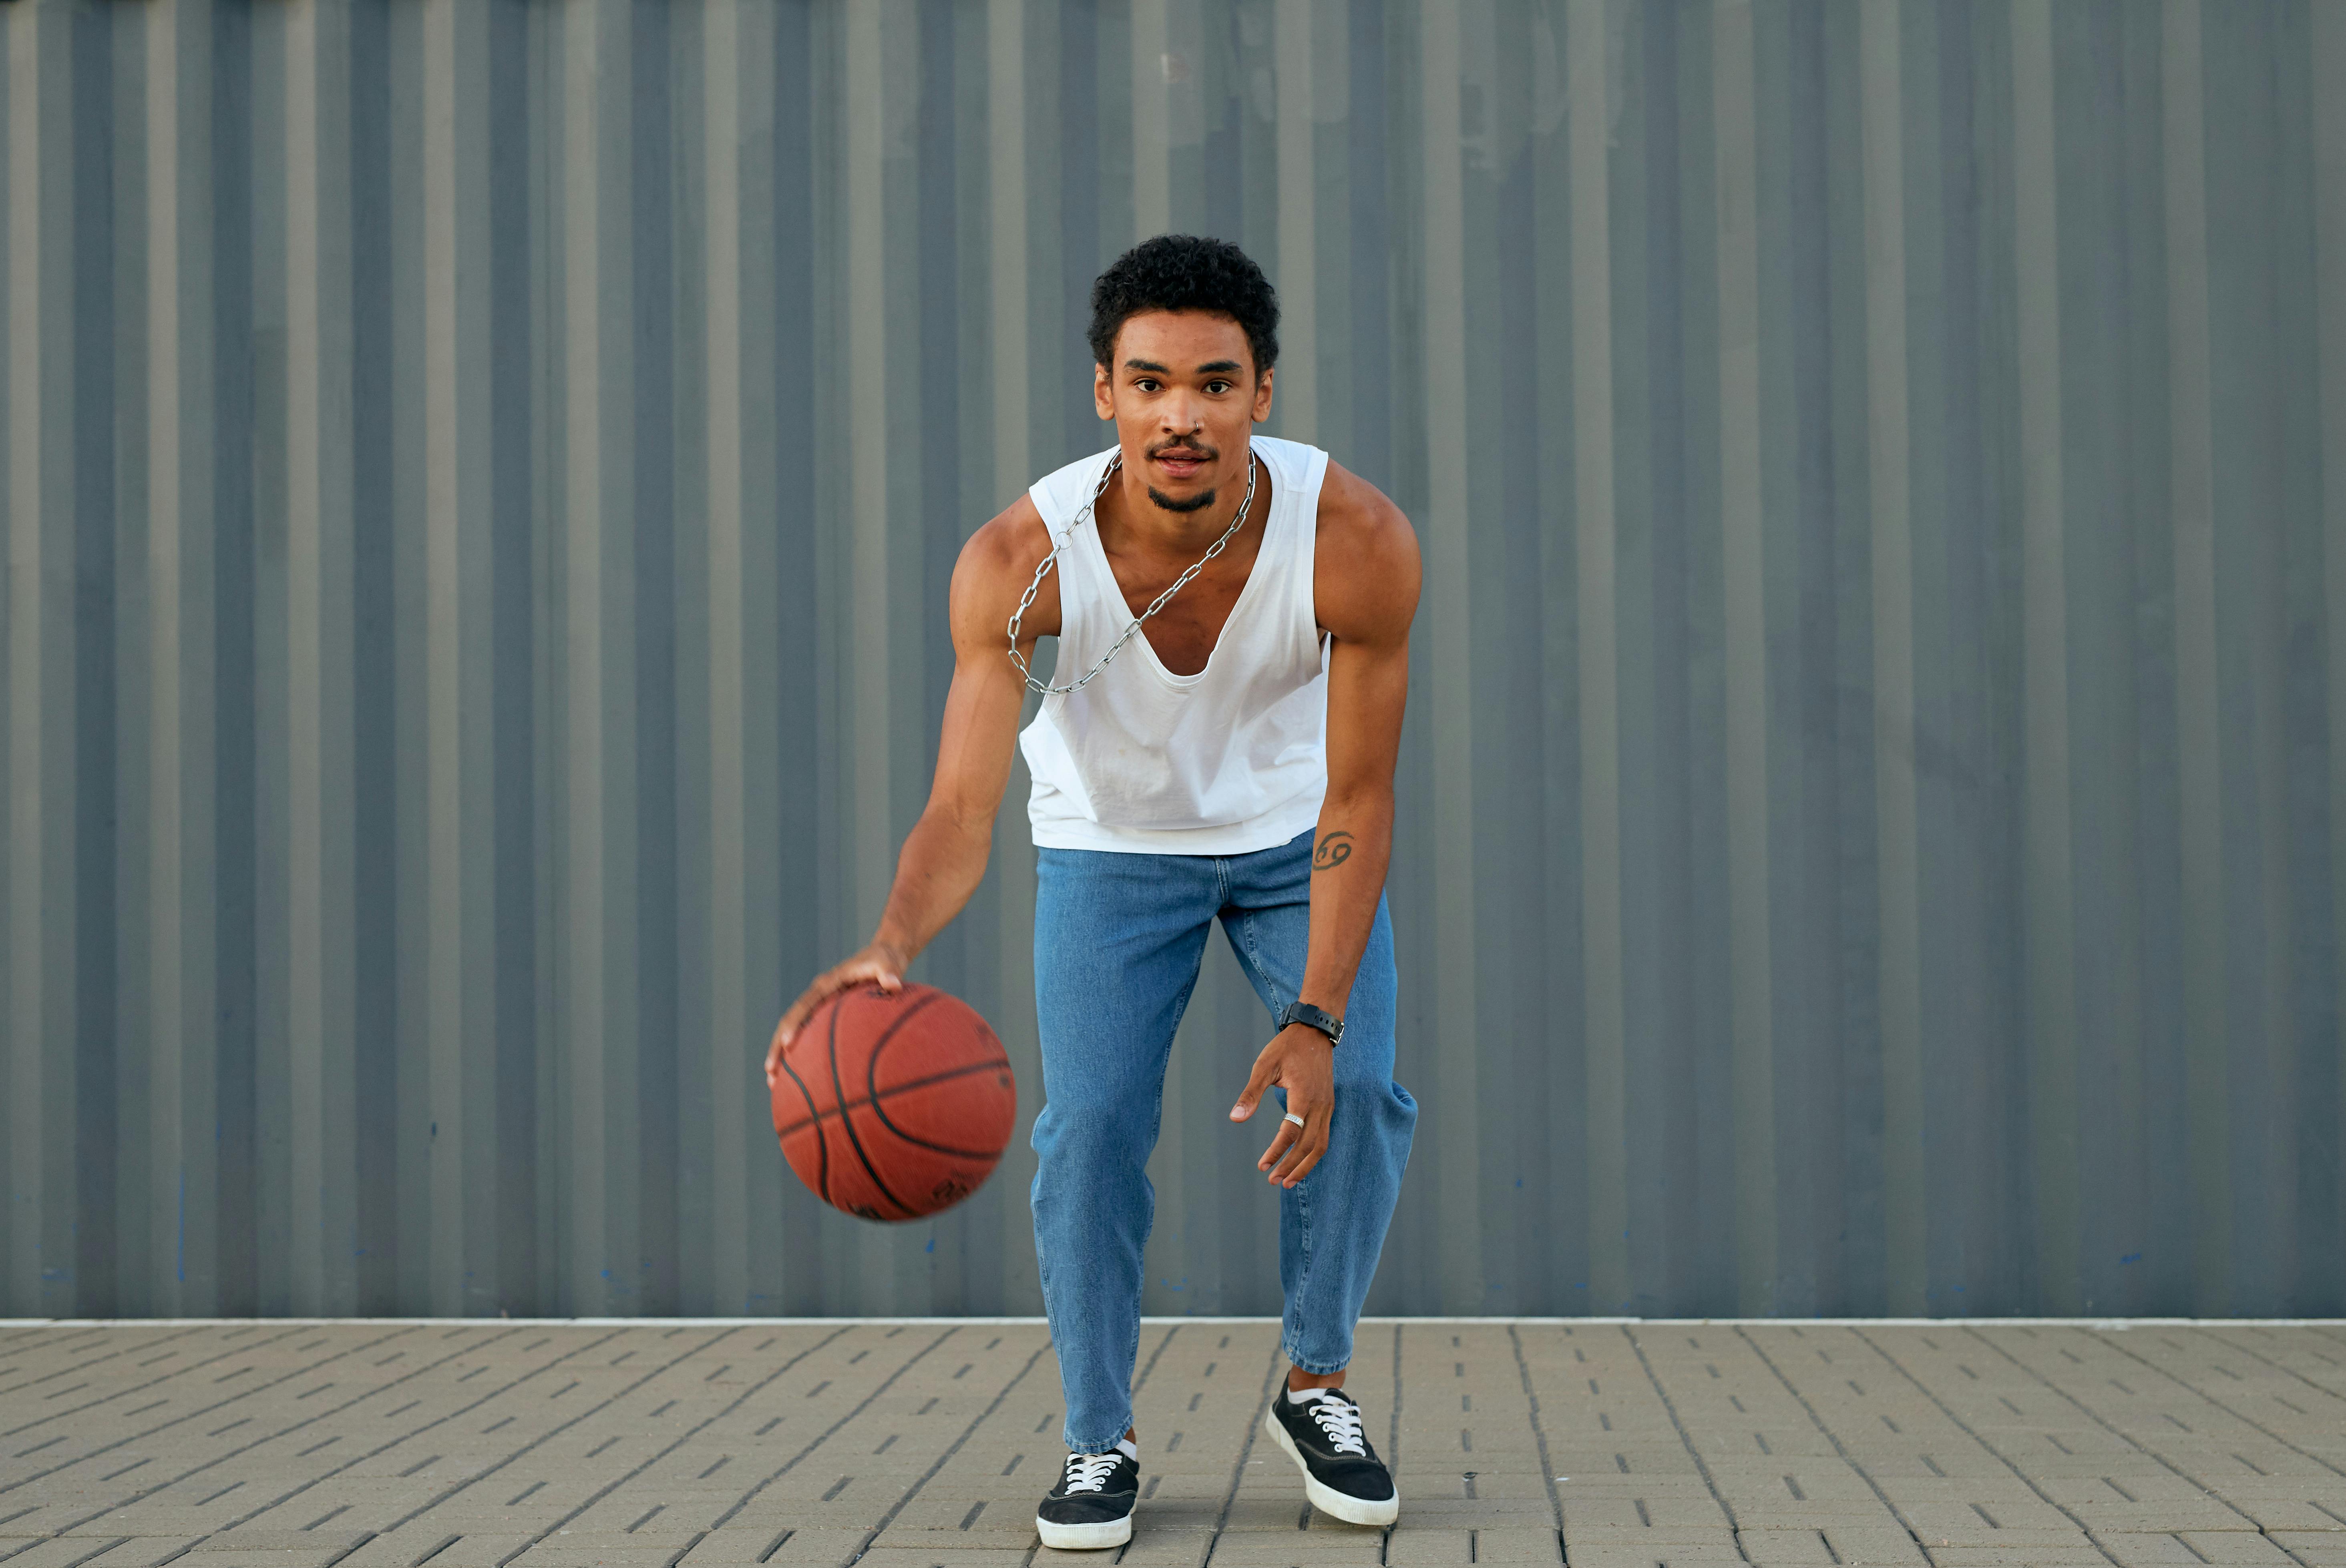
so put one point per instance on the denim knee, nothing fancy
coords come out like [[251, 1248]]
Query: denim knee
[[1099, 1140]]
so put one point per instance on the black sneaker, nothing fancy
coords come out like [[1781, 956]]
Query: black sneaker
[[1342, 1475], [1092, 1505]]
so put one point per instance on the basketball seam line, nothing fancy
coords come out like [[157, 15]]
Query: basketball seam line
[[897, 1089], [821, 1146], [839, 1092], [872, 1079]]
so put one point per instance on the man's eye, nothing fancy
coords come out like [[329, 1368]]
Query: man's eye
[[1218, 386], [1146, 385]]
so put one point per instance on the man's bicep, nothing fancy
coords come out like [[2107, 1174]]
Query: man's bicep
[[1365, 591], [980, 734], [1368, 688], [979, 738]]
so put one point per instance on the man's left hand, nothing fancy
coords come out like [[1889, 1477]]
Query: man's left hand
[[1300, 1060]]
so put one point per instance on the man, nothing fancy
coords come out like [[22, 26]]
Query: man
[[1233, 619]]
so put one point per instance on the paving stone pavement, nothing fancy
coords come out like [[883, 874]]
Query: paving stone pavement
[[280, 1444]]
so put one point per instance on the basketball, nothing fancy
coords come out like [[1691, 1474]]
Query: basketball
[[895, 1107]]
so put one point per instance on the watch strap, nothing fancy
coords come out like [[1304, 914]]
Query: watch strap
[[1303, 1013]]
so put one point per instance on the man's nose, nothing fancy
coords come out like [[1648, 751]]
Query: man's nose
[[1180, 415]]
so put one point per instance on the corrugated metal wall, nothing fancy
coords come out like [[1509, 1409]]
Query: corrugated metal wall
[[480, 484]]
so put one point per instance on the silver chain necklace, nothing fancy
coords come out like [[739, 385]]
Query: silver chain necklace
[[1155, 604]]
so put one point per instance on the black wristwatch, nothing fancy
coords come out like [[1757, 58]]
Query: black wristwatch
[[1303, 1013]]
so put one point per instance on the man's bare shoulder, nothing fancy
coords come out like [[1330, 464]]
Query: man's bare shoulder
[[995, 566], [1012, 542], [1365, 562]]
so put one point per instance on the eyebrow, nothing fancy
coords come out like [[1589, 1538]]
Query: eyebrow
[[1209, 367]]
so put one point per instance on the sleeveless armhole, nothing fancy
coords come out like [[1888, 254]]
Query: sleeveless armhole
[[1305, 492], [1058, 496], [1072, 595]]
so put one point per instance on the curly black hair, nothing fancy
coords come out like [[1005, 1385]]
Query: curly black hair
[[1184, 272]]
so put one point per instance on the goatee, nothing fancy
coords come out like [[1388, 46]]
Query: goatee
[[1197, 503]]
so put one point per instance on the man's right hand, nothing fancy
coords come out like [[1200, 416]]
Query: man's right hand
[[944, 856], [879, 965]]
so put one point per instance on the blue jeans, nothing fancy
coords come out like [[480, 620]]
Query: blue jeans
[[1118, 941]]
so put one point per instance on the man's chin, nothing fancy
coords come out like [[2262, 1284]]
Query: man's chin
[[1181, 503]]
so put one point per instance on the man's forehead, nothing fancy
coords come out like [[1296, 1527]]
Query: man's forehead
[[1199, 341], [1195, 326]]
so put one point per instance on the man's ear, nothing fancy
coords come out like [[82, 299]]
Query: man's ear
[[1103, 392], [1263, 395]]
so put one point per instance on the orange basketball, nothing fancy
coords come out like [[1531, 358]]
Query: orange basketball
[[895, 1107]]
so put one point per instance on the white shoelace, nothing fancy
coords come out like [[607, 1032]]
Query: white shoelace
[[1089, 1471], [1342, 1424]]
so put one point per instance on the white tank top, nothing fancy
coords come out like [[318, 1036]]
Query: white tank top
[[1227, 761]]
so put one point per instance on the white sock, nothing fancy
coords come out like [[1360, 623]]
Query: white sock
[[1129, 1449], [1303, 1396]]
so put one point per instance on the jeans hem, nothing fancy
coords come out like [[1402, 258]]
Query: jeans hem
[[1303, 1363]]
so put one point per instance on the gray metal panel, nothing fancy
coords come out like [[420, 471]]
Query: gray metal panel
[[481, 481]]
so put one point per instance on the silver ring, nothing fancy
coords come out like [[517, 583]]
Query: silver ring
[[1291, 1116]]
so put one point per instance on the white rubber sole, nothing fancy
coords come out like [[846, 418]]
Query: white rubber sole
[[1327, 1499], [1084, 1537]]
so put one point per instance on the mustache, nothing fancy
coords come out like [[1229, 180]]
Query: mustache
[[1195, 450]]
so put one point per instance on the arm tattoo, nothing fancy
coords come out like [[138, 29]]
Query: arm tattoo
[[1333, 851]]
